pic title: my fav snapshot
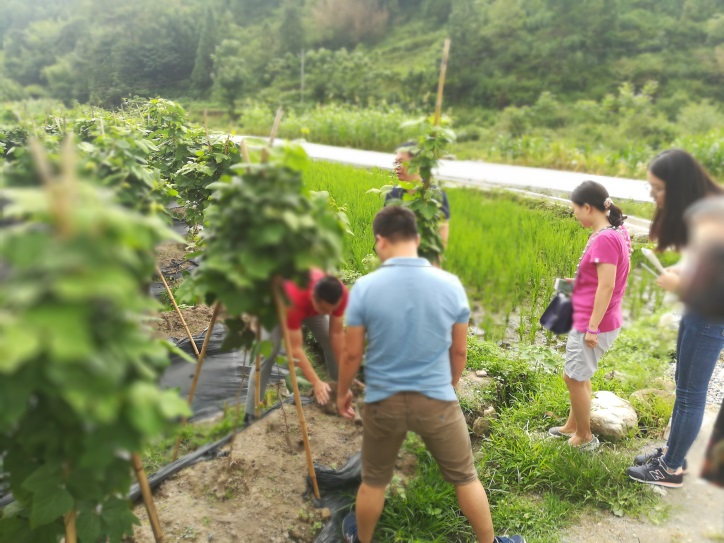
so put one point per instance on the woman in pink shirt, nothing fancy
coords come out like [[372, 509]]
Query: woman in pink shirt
[[598, 290]]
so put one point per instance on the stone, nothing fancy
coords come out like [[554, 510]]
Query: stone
[[647, 395], [481, 373], [325, 513], [481, 426], [670, 320], [612, 418], [662, 383]]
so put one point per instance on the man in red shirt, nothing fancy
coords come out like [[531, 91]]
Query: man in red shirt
[[320, 307]]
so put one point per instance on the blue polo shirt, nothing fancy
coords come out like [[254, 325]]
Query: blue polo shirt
[[408, 309]]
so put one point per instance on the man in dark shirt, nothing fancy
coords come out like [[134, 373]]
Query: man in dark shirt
[[404, 154]]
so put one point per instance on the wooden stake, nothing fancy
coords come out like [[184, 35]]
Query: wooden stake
[[244, 151], [71, 535], [178, 311], [206, 129], [257, 384], [195, 381], [441, 84], [238, 410], [147, 497], [282, 314], [275, 128]]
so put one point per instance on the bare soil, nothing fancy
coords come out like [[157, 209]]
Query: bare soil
[[257, 493], [170, 254], [169, 324]]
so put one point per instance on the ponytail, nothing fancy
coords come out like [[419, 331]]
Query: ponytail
[[596, 195], [615, 215]]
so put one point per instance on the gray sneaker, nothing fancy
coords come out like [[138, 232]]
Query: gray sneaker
[[646, 458], [556, 432], [509, 539]]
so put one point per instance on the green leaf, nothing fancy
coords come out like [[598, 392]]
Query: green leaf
[[20, 344], [88, 525], [118, 520], [50, 504]]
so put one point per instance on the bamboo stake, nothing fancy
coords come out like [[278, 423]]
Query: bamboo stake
[[206, 129], [441, 83], [275, 128], [178, 311], [195, 381], [257, 384], [281, 312], [71, 535], [147, 498], [244, 151], [238, 410]]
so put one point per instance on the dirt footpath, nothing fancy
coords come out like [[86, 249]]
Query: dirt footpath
[[696, 510]]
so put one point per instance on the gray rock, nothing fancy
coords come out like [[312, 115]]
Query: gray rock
[[612, 418], [647, 395]]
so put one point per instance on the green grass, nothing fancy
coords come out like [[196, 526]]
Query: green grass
[[536, 485], [507, 250]]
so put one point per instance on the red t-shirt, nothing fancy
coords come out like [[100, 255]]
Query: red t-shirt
[[301, 300], [608, 247]]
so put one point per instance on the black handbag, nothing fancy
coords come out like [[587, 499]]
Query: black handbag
[[558, 316]]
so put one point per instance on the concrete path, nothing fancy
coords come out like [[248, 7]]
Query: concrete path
[[696, 511], [471, 172]]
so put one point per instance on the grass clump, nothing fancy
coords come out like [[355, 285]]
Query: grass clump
[[538, 485]]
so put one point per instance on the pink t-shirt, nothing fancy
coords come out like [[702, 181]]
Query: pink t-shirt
[[609, 246]]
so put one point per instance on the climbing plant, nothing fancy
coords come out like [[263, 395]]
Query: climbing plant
[[78, 373], [261, 226]]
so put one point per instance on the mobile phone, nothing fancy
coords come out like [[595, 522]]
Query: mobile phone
[[564, 286]]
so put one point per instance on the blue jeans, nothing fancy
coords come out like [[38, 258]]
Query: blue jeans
[[698, 347]]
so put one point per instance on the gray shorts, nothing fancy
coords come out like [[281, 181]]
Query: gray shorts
[[581, 360]]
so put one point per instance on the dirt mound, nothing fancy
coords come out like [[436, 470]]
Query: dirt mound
[[257, 493], [169, 324]]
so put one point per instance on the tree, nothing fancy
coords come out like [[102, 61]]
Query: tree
[[230, 73], [291, 30], [201, 77]]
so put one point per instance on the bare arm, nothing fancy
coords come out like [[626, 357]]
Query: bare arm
[[336, 337], [444, 232], [458, 351], [348, 368], [321, 389], [604, 293]]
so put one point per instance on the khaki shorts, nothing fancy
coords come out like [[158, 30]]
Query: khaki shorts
[[441, 425], [581, 360]]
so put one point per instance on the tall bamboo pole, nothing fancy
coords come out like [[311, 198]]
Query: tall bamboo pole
[[178, 311], [244, 151], [282, 314], [257, 383], [71, 534], [195, 381], [147, 497], [441, 83], [275, 127]]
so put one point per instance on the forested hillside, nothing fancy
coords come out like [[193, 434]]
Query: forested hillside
[[505, 52]]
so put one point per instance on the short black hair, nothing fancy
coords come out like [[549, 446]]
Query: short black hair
[[328, 289], [395, 223], [408, 147]]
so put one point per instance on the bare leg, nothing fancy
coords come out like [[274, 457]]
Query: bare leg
[[474, 505], [368, 508], [580, 392]]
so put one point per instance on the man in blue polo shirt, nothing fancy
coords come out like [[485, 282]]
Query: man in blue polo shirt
[[410, 383]]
